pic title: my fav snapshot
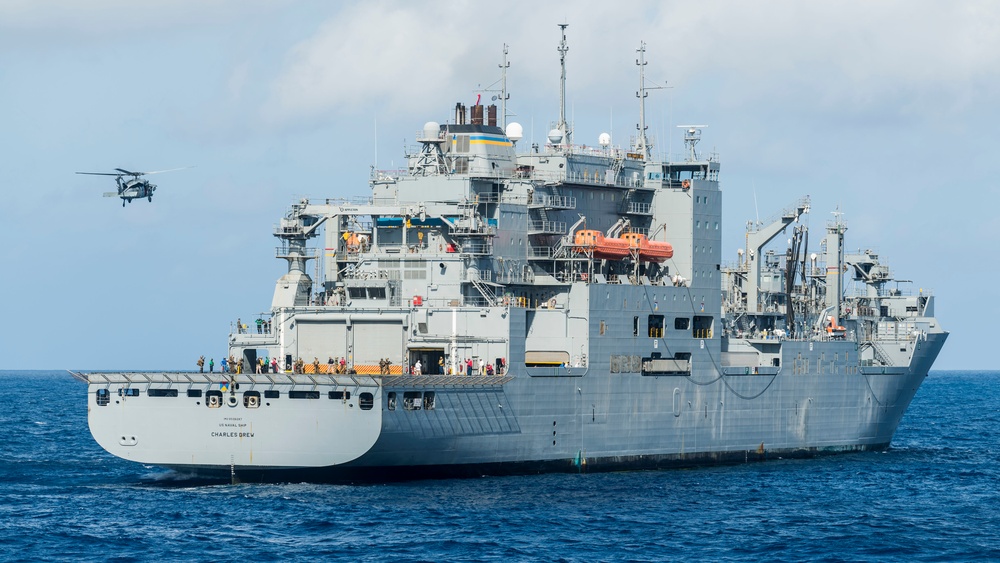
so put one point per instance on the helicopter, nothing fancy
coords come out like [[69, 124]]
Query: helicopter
[[134, 188]]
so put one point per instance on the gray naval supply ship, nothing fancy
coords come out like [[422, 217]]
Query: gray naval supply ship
[[565, 308]]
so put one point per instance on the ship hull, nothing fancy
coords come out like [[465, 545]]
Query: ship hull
[[526, 422], [383, 473]]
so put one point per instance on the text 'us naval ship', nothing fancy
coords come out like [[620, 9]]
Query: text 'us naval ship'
[[561, 308]]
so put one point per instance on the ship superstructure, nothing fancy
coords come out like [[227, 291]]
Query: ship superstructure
[[496, 308]]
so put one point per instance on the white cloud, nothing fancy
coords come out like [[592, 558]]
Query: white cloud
[[370, 55], [400, 56]]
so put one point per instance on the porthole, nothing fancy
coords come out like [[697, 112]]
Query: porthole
[[366, 401], [213, 399], [251, 399]]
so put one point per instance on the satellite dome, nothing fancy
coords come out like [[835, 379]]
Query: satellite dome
[[514, 131], [604, 140], [555, 136], [431, 129]]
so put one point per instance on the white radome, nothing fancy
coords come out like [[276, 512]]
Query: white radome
[[515, 132], [431, 129]]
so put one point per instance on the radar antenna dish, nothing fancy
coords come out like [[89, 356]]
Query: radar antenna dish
[[692, 135]]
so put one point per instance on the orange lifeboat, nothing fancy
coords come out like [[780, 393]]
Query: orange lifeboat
[[595, 243], [648, 250], [833, 329]]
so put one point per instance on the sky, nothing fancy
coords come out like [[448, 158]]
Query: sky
[[885, 110]]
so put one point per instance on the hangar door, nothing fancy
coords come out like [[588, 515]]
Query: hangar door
[[374, 340], [321, 339]]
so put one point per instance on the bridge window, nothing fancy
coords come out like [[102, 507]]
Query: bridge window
[[390, 402], [429, 400], [194, 393], [303, 394], [681, 323], [272, 394], [342, 395], [162, 392], [103, 397]]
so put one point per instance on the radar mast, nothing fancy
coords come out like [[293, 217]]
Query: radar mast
[[504, 96], [562, 126], [642, 145]]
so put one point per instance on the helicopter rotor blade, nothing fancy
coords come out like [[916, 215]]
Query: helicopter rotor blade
[[123, 171], [100, 173], [168, 170], [110, 194]]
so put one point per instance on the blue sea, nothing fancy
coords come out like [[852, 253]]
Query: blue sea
[[935, 495]]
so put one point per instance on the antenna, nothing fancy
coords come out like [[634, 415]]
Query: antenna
[[563, 49], [643, 145], [691, 138], [670, 140], [755, 210], [504, 96]]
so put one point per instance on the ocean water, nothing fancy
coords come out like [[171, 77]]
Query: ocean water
[[935, 495]]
